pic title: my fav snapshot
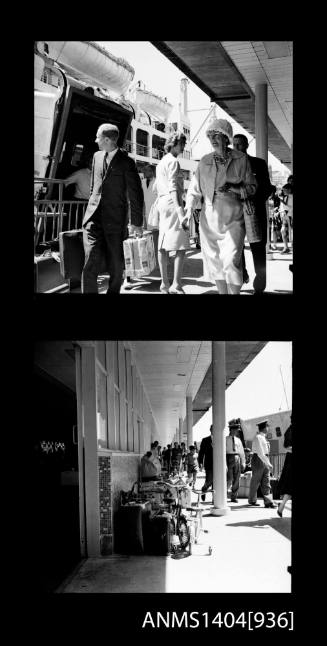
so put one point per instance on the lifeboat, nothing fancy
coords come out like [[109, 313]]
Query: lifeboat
[[91, 63], [149, 102]]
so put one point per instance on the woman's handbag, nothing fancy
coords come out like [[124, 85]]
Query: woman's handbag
[[252, 223], [153, 217]]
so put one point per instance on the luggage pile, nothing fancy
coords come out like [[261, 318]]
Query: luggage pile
[[143, 523]]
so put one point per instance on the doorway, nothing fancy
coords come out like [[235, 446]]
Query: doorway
[[55, 500]]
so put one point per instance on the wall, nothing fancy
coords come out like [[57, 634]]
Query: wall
[[116, 428], [281, 419], [125, 471]]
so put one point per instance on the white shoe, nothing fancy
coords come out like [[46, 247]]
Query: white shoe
[[127, 284]]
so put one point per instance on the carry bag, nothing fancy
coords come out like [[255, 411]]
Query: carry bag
[[139, 255], [154, 215]]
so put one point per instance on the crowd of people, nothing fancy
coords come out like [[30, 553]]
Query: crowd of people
[[172, 460], [176, 460], [225, 202]]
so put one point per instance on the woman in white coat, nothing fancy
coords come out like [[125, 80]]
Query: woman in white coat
[[224, 179], [173, 234]]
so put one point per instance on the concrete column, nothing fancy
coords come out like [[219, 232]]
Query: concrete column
[[89, 426], [261, 121], [180, 429], [261, 130], [218, 421], [189, 420]]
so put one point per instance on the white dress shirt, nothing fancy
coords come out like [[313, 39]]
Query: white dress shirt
[[110, 156], [238, 447], [261, 447]]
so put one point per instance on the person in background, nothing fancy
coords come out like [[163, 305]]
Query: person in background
[[261, 467], [155, 456], [274, 219], [114, 178], [192, 466], [148, 469], [81, 180], [285, 482], [205, 458], [286, 210], [224, 180], [173, 235], [176, 458], [235, 459], [149, 192], [183, 447], [264, 189], [167, 458]]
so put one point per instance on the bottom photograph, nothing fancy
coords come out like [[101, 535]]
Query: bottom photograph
[[162, 466]]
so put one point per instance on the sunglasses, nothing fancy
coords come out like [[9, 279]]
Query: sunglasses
[[214, 133]]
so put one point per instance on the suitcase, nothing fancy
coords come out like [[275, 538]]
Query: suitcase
[[157, 535], [139, 255], [72, 256], [47, 274], [130, 520], [71, 253]]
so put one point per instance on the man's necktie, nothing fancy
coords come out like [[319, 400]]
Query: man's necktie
[[233, 438], [147, 183]]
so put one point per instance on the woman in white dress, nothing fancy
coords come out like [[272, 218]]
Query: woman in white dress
[[173, 234], [224, 179]]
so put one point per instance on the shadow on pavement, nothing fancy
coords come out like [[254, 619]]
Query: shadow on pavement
[[281, 525]]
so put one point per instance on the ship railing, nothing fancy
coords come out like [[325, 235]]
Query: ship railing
[[143, 151], [54, 215]]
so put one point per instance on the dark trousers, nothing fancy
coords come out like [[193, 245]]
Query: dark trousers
[[103, 252], [258, 250], [260, 476], [233, 473], [209, 480]]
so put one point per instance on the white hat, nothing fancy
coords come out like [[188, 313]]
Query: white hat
[[221, 125]]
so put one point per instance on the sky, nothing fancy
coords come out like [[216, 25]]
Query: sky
[[263, 388], [162, 77]]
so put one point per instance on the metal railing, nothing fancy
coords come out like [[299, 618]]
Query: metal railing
[[143, 151], [278, 462], [54, 215]]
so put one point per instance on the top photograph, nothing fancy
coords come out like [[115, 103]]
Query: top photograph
[[163, 167]]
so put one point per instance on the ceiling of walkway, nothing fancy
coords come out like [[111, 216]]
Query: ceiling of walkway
[[169, 371], [228, 71]]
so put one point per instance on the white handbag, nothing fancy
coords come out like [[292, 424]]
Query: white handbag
[[153, 217]]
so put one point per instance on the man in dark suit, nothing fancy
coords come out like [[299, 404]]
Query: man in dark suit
[[264, 189], [114, 177], [205, 458]]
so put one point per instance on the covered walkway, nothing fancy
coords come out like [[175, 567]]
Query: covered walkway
[[251, 553]]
